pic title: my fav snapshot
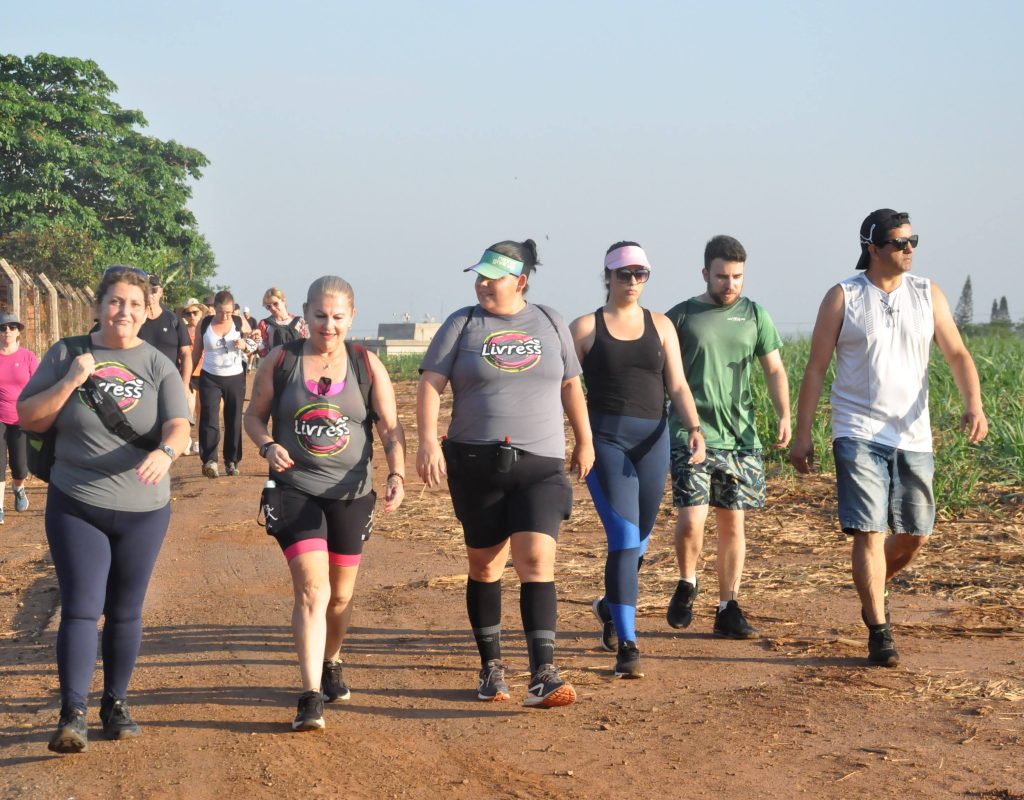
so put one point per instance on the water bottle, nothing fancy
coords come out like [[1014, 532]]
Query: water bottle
[[506, 455]]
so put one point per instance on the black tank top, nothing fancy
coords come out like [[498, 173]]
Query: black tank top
[[626, 377]]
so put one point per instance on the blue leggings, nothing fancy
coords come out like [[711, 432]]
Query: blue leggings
[[627, 484], [104, 559]]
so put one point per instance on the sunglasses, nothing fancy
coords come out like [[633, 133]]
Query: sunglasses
[[625, 274], [272, 305], [902, 242], [195, 313], [323, 386], [10, 327], [133, 270]]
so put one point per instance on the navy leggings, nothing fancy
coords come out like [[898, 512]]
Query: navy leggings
[[104, 559], [627, 484]]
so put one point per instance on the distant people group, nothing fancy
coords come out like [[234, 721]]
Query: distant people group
[[660, 394]]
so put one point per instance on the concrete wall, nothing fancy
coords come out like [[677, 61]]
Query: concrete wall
[[48, 310]]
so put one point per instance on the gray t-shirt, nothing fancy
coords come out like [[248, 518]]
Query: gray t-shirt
[[506, 376], [92, 464]]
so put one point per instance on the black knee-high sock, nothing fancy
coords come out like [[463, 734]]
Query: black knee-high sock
[[483, 601], [539, 607]]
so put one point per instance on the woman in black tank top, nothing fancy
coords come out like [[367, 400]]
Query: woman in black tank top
[[630, 359]]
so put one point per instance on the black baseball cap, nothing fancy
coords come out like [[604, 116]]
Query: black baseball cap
[[874, 228]]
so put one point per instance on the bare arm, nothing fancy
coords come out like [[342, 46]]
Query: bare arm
[[38, 413], [391, 432], [823, 345], [778, 389], [197, 345], [175, 434], [185, 364], [575, 406], [429, 458], [583, 330], [677, 387], [257, 414], [973, 421]]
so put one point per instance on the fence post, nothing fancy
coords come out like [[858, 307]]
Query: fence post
[[14, 288], [52, 311]]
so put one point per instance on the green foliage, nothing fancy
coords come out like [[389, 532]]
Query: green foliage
[[403, 367], [80, 186]]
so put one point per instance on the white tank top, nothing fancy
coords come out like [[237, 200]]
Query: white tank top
[[880, 392], [219, 354]]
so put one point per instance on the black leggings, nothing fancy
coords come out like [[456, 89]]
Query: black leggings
[[213, 388], [12, 442], [104, 559]]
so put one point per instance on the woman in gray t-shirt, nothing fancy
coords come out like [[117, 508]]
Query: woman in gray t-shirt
[[108, 503], [513, 371]]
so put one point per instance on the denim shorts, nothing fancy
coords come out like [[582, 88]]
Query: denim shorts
[[883, 488]]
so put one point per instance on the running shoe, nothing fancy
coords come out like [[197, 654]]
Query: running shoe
[[604, 616], [731, 623], [117, 722], [548, 690], [332, 684], [72, 735], [210, 469], [881, 649], [627, 662], [310, 716], [20, 499], [680, 607], [492, 682], [231, 468], [1, 516]]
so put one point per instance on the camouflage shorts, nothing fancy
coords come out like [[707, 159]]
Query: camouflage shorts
[[730, 479]]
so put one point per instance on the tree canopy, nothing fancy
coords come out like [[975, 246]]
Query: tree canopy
[[81, 187]]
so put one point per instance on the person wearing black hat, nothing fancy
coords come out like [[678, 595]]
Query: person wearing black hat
[[880, 324], [17, 365], [164, 330]]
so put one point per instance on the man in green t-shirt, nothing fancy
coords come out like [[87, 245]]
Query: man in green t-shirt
[[720, 334]]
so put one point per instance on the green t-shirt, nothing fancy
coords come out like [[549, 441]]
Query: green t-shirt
[[719, 344]]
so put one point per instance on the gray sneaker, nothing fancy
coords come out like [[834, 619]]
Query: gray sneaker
[[20, 499], [492, 682], [210, 469], [548, 690]]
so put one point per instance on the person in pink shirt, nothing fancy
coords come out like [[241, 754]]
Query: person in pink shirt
[[17, 365]]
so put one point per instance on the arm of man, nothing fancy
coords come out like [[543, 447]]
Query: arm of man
[[823, 345], [429, 458], [677, 387], [778, 389], [391, 433], [973, 421]]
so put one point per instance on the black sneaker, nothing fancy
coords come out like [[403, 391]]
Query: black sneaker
[[332, 684], [888, 616], [627, 663], [548, 690], [881, 649], [680, 607], [310, 716], [231, 469], [604, 616], [492, 682], [117, 722], [731, 623], [72, 735]]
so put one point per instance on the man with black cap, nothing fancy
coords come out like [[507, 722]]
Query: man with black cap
[[880, 324], [164, 330]]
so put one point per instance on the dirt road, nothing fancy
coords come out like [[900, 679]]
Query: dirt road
[[792, 713]]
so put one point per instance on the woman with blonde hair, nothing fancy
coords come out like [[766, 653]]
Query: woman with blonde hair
[[280, 326]]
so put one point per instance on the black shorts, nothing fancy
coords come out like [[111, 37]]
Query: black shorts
[[534, 495], [303, 523]]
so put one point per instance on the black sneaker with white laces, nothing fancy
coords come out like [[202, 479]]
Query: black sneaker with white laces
[[680, 607], [881, 648], [332, 684], [548, 690], [310, 715], [627, 662], [492, 682], [730, 623], [117, 722], [72, 734], [604, 616]]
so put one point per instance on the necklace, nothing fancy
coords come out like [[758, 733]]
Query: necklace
[[329, 359]]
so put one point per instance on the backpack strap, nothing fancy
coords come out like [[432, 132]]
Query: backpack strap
[[561, 344], [359, 357], [295, 323], [238, 323], [204, 325]]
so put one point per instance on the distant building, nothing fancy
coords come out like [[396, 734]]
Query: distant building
[[401, 338]]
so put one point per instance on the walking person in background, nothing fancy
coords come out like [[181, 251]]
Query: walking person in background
[[280, 326], [721, 333], [17, 366], [108, 503], [630, 358], [320, 457], [513, 371], [880, 324], [164, 330], [191, 313], [221, 345], [253, 359]]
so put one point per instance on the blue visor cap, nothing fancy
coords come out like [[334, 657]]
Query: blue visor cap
[[494, 265]]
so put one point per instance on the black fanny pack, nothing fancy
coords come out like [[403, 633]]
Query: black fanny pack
[[464, 458], [113, 417]]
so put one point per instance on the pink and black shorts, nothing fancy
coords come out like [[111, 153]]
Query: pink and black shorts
[[307, 524]]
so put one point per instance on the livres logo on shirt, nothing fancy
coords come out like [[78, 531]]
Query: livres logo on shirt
[[116, 380], [321, 429], [512, 351]]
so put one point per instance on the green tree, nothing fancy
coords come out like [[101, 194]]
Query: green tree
[[76, 170]]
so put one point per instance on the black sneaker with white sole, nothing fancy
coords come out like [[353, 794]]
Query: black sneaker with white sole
[[604, 616], [730, 623], [680, 607], [492, 682], [332, 684], [310, 715], [627, 662]]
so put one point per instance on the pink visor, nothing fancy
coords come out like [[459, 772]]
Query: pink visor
[[628, 256]]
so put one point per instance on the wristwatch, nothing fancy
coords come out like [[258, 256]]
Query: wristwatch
[[696, 429], [265, 447], [169, 451]]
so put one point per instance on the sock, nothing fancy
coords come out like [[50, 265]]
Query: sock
[[722, 604], [538, 605], [483, 602], [692, 581]]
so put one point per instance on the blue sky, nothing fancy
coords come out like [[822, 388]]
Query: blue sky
[[390, 143]]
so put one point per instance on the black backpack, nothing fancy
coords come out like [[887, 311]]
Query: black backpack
[[207, 321], [279, 334]]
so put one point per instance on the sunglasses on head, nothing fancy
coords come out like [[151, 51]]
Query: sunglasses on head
[[10, 326], [902, 242], [134, 270], [625, 274], [323, 386]]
